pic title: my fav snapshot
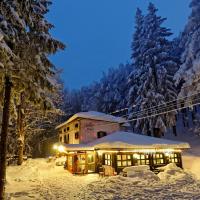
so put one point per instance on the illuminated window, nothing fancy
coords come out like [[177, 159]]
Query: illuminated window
[[124, 160], [174, 158], [108, 159], [142, 159], [158, 158]]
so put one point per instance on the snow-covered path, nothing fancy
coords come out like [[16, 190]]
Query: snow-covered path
[[64, 187], [39, 180]]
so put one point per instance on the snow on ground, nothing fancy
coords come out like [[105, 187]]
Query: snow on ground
[[191, 157], [36, 179], [39, 180]]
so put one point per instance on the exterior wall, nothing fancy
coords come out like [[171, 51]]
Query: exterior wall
[[89, 129], [69, 131]]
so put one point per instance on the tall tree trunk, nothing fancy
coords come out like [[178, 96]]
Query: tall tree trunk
[[21, 133], [174, 130], [4, 133]]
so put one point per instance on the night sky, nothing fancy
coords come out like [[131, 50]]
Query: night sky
[[98, 33]]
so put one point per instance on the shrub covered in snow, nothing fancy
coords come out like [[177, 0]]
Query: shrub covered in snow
[[141, 172], [172, 172]]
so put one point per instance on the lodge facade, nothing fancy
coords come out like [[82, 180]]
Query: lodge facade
[[85, 127], [115, 148]]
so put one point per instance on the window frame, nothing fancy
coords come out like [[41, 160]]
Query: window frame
[[173, 157], [101, 134], [157, 158], [76, 135], [108, 159], [65, 139], [143, 160], [123, 158]]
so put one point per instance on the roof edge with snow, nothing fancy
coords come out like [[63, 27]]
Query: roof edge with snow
[[95, 116], [126, 140]]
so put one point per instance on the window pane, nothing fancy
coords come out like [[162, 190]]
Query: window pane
[[128, 157], [143, 162], [142, 156], [124, 163], [119, 163], [108, 162], [118, 157], [129, 163], [123, 157]]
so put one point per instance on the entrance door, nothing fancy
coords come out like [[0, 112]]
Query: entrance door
[[91, 162], [79, 163]]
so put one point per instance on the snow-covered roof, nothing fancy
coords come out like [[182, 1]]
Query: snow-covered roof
[[94, 115], [78, 147], [128, 140]]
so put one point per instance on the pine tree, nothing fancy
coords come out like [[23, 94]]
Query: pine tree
[[137, 60], [154, 74], [189, 71], [113, 89], [27, 46]]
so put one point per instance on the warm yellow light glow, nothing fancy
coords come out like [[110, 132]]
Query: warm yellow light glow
[[100, 153], [55, 147], [169, 151], [61, 149], [89, 155], [167, 154], [137, 156]]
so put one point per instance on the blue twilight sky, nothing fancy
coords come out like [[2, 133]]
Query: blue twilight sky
[[98, 33]]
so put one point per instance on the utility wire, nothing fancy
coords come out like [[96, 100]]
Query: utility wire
[[153, 114], [169, 103]]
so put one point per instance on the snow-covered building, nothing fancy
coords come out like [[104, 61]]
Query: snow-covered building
[[85, 127], [115, 148]]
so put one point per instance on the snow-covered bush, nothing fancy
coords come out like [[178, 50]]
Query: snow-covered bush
[[172, 172]]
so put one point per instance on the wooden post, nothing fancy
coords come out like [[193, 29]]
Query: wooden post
[[114, 161], [4, 134]]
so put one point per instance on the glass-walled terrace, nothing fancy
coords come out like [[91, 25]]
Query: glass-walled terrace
[[121, 160]]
